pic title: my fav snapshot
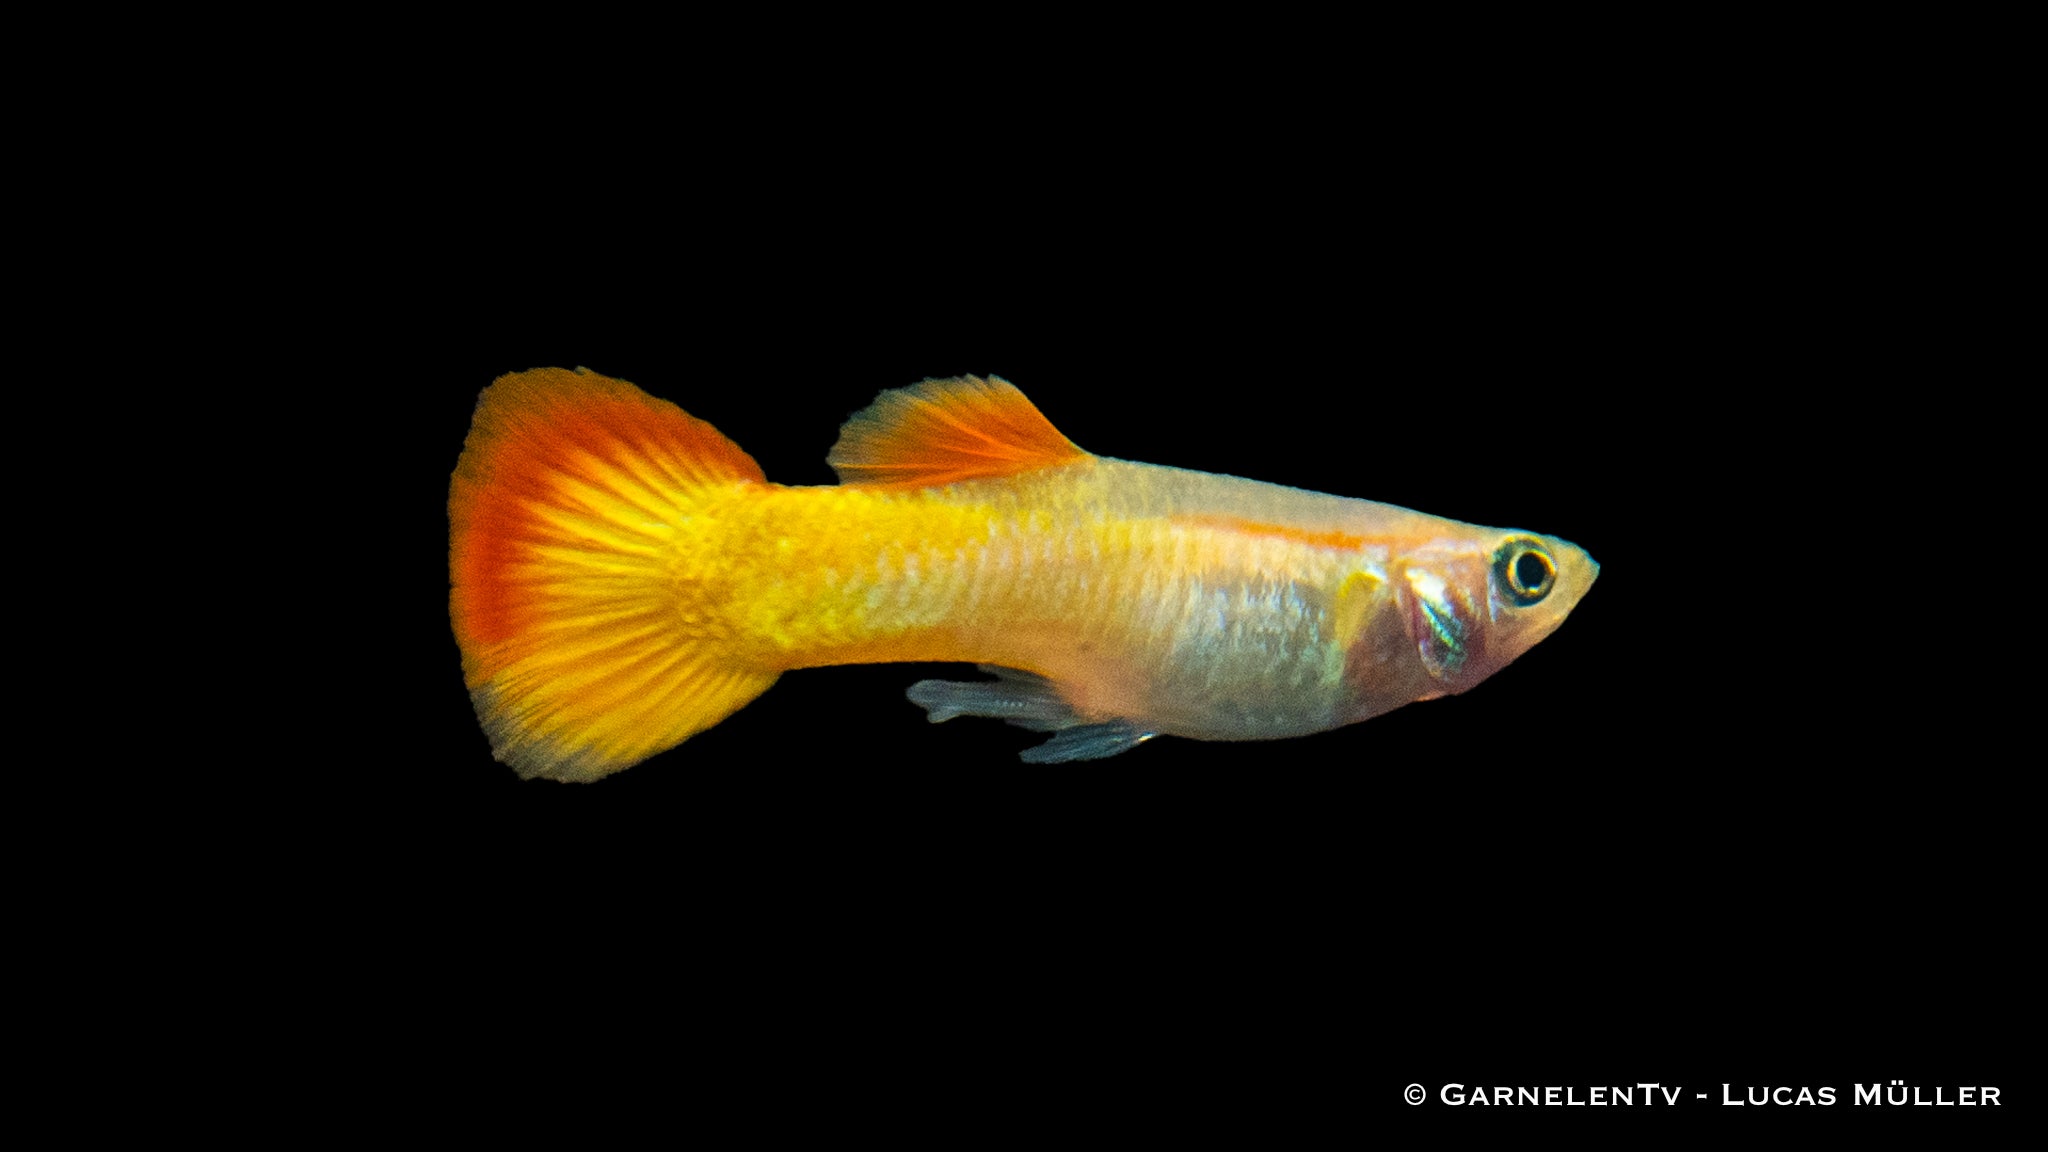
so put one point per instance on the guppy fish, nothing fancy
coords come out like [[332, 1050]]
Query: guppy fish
[[625, 577]]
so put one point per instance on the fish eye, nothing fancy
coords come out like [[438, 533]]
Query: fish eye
[[1523, 569]]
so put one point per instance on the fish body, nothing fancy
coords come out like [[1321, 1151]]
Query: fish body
[[624, 576]]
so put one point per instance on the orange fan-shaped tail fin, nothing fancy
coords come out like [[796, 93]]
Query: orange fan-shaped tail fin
[[576, 549]]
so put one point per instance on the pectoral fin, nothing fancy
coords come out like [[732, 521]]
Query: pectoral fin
[[1028, 701]]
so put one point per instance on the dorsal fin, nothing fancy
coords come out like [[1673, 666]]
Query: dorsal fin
[[943, 431]]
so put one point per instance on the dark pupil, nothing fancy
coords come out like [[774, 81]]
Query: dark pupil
[[1530, 571]]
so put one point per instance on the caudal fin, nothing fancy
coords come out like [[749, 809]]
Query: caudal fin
[[578, 549]]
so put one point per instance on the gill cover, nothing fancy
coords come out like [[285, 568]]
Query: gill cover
[[1440, 624]]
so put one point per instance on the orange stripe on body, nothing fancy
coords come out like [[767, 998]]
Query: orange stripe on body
[[1331, 539]]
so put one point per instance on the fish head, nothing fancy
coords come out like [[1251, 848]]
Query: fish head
[[1474, 604]]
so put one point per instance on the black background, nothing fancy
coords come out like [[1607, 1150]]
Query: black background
[[1740, 819]]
